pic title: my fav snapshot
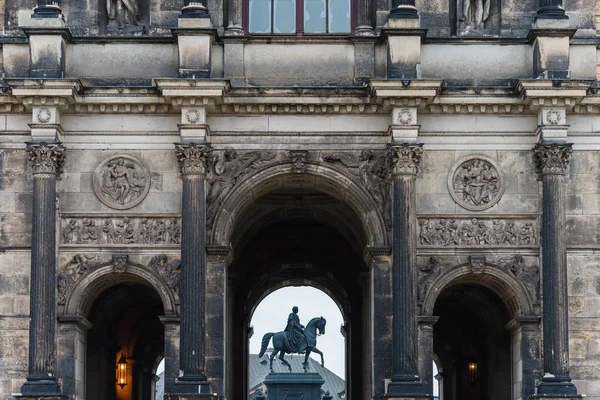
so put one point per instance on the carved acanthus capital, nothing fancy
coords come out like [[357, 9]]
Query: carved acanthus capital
[[46, 158], [552, 159], [193, 158], [405, 158]]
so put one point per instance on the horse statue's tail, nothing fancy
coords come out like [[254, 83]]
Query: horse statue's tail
[[265, 343]]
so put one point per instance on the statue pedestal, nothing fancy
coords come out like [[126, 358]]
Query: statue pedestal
[[294, 386]]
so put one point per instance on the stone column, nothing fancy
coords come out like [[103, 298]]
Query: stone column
[[234, 23], [405, 381], [194, 9], [193, 160], [551, 9], [365, 24], [552, 161], [403, 9], [47, 9], [46, 162]]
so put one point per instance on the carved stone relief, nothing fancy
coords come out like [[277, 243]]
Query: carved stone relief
[[123, 16], [477, 16], [373, 169], [527, 274], [169, 269], [126, 230], [227, 167], [443, 232], [121, 182], [475, 183], [299, 160]]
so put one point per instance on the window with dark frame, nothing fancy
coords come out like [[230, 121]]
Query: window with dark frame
[[299, 17]]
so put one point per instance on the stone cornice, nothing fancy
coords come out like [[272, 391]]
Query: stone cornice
[[168, 96]]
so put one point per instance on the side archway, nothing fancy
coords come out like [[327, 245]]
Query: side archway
[[513, 294], [317, 177], [81, 297]]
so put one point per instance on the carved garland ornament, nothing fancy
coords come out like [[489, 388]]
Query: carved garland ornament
[[121, 182], [46, 158], [168, 269], [475, 183], [552, 159], [44, 115], [126, 230]]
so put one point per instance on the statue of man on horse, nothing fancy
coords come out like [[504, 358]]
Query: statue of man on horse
[[295, 339]]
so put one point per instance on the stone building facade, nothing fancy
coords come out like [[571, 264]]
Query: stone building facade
[[434, 168]]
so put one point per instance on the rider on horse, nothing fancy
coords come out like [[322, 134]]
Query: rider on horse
[[294, 333]]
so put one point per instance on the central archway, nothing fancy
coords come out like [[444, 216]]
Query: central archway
[[299, 235]]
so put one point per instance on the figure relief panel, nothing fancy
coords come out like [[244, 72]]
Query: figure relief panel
[[476, 183], [141, 230], [477, 17], [121, 182]]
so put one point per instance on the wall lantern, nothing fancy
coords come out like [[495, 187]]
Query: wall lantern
[[122, 371], [473, 373]]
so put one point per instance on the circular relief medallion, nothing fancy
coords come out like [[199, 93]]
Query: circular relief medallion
[[44, 115], [475, 183], [121, 182]]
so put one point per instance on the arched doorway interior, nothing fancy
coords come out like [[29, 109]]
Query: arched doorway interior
[[125, 327]]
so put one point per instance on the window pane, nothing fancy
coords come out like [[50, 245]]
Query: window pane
[[314, 16], [339, 16], [285, 16], [260, 16]]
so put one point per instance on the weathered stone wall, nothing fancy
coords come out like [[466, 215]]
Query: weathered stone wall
[[15, 237], [583, 191]]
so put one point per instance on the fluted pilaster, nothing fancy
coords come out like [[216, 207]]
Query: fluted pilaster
[[46, 162], [193, 161], [405, 160], [552, 161]]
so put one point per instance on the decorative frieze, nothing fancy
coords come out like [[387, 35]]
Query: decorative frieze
[[373, 169], [461, 231], [45, 158], [527, 274], [169, 269], [552, 159], [121, 182], [475, 183], [120, 231]]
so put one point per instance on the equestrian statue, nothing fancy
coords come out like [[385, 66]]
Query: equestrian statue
[[295, 339]]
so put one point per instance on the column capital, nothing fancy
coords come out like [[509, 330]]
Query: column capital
[[193, 158], [552, 158], [46, 158], [405, 158]]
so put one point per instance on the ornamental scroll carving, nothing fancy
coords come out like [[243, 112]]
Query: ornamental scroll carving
[[444, 232], [552, 159], [126, 230], [121, 182], [475, 183], [373, 169], [167, 268], [528, 274], [46, 158], [227, 168]]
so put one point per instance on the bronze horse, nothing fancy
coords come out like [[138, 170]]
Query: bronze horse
[[280, 343]]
